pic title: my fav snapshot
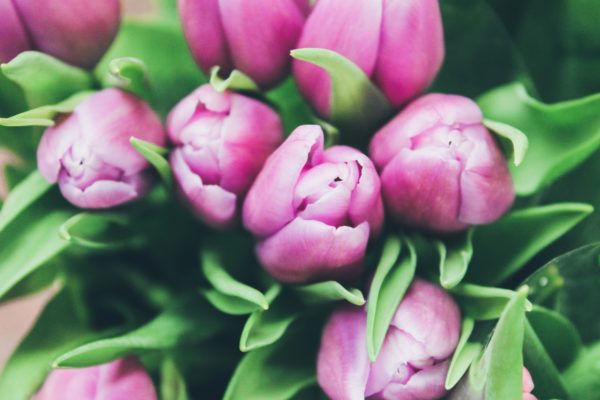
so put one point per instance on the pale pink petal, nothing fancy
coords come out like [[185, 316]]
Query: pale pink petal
[[55, 142]]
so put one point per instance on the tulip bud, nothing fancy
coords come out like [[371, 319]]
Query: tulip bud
[[314, 210], [88, 152], [441, 169], [399, 44], [254, 37], [222, 140], [121, 379], [414, 359], [75, 31]]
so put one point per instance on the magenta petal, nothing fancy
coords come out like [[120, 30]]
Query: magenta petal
[[343, 366], [305, 250], [351, 28], [55, 142], [12, 33], [105, 193], [427, 383], [269, 203]]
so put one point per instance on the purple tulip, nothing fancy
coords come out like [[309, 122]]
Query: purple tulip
[[254, 37], [314, 210], [441, 169], [88, 152], [414, 359], [222, 139], [123, 379], [75, 31], [399, 44]]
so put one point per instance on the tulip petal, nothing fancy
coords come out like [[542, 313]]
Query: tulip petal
[[427, 383], [269, 204], [343, 365], [55, 142], [14, 37], [351, 28], [305, 250]]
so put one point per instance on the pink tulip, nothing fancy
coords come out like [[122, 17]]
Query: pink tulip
[[222, 139], [123, 379], [88, 152], [75, 31], [254, 37], [527, 385], [399, 44], [413, 362], [314, 210], [441, 169]]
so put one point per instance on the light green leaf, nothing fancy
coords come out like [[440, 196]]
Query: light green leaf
[[44, 79], [581, 378], [44, 115], [393, 276], [561, 136], [455, 256], [357, 105], [155, 156], [228, 304], [518, 140], [98, 230], [130, 74], [483, 303], [172, 383], [466, 352], [323, 292], [22, 196], [236, 80], [508, 244]]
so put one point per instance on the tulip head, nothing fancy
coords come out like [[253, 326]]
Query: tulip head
[[254, 37], [75, 31], [399, 44], [313, 210], [413, 362], [441, 169], [88, 151], [124, 378], [222, 140]]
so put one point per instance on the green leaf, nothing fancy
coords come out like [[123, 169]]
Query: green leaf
[[455, 256], [323, 292], [265, 327], [184, 323], [22, 196], [228, 304], [57, 330], [236, 80], [561, 136], [508, 244], [582, 377], [291, 105], [225, 283], [44, 79], [466, 352], [130, 74], [483, 303], [517, 139], [44, 115], [392, 278], [172, 383], [103, 230], [155, 156], [357, 105]]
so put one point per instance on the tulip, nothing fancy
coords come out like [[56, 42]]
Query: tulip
[[414, 359], [399, 44], [441, 169], [313, 210], [88, 151], [75, 31], [122, 379], [222, 140], [527, 385], [254, 37], [465, 391]]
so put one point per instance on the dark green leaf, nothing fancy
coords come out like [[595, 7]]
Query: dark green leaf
[[172, 384], [583, 377], [292, 107], [22, 196], [466, 352], [455, 256], [323, 292], [99, 230], [44, 115], [131, 74], [155, 156]]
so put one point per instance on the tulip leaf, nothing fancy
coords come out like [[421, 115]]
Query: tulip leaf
[[323, 292], [22, 196], [225, 283], [45, 79], [130, 74], [561, 136], [508, 244], [44, 115], [172, 383], [517, 139], [228, 304], [291, 106], [455, 256], [236, 80], [466, 352], [581, 378], [357, 105], [57, 330], [98, 230], [155, 156], [392, 279], [265, 327], [186, 322], [483, 303]]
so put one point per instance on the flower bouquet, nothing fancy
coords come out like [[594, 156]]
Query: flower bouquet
[[295, 199]]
